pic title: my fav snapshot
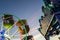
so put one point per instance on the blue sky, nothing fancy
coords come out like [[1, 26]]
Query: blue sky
[[24, 9]]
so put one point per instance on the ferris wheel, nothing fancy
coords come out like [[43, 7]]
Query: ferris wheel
[[13, 27]]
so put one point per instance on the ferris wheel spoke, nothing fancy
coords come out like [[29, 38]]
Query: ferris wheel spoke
[[10, 28], [14, 33]]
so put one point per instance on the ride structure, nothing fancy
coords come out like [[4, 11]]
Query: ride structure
[[50, 22], [10, 27]]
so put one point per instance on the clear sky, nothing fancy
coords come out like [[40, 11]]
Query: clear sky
[[24, 9]]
